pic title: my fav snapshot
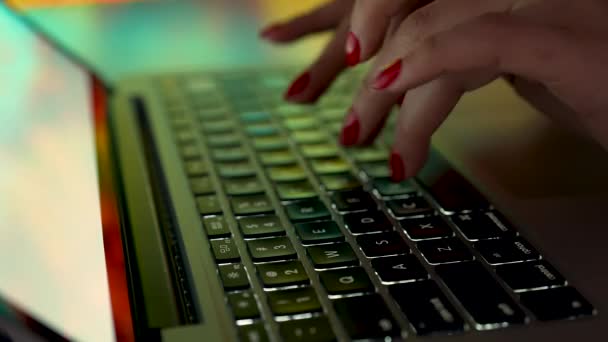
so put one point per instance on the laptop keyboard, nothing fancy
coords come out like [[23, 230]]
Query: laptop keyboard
[[314, 242]]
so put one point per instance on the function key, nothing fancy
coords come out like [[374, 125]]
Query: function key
[[387, 188], [431, 227], [427, 309], [258, 226], [287, 173], [337, 182], [318, 232], [307, 210], [367, 222], [201, 185], [399, 268], [208, 205], [346, 280], [559, 303], [236, 169], [409, 207], [353, 200], [216, 227], [243, 305], [292, 191], [441, 251], [330, 166], [196, 168], [271, 249], [376, 169], [383, 244], [243, 186], [482, 225], [333, 255], [502, 251], [366, 317], [315, 329], [229, 154], [253, 333], [282, 273], [234, 277], [225, 250], [276, 158], [292, 302], [252, 204], [530, 275]]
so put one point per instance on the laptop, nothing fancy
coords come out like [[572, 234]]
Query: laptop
[[242, 218]]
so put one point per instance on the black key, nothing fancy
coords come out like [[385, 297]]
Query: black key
[[307, 210], [346, 280], [253, 333], [366, 317], [236, 169], [234, 277], [216, 227], [296, 301], [201, 185], [291, 191], [229, 154], [443, 251], [334, 255], [503, 251], [530, 275], [426, 228], [374, 245], [208, 205], [343, 181], [225, 250], [282, 273], [353, 200], [243, 186], [271, 249], [410, 207], [482, 225], [276, 158], [558, 303], [252, 204], [480, 294], [190, 152], [243, 305], [427, 309], [287, 173], [387, 188], [399, 268], [223, 140], [376, 169], [311, 329], [259, 226], [196, 168], [367, 222], [318, 232]]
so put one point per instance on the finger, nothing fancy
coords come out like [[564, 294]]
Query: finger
[[316, 79], [320, 19]]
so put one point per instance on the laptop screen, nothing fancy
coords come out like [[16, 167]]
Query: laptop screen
[[52, 254]]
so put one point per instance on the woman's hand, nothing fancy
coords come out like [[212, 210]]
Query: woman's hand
[[552, 51]]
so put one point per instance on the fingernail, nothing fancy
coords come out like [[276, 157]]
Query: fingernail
[[270, 31], [298, 85], [353, 50], [388, 75], [397, 167], [350, 130]]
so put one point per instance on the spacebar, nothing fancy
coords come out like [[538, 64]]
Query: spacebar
[[480, 294]]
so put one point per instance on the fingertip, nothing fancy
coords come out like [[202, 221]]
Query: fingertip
[[297, 87], [397, 166], [271, 32], [350, 130], [352, 49]]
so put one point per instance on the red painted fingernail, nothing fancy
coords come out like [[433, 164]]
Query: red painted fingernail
[[397, 167], [388, 75], [298, 85], [270, 31], [353, 50], [350, 130]]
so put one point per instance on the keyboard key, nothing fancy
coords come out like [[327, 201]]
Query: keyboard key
[[344, 181], [296, 301], [208, 205], [282, 273], [318, 232], [185, 136], [270, 143], [382, 244], [223, 140], [254, 117], [236, 169], [426, 228], [301, 122], [234, 277], [276, 158], [190, 152], [333, 255], [309, 136], [353, 200], [387, 188], [530, 275], [480, 294], [196, 168], [368, 154], [287, 173], [443, 251], [427, 309], [216, 227], [376, 169], [271, 249], [253, 333], [201, 185], [367, 222], [310, 329], [366, 317], [262, 130], [218, 126], [243, 186], [252, 204], [225, 250], [229, 154], [346, 280], [410, 207], [558, 303], [503, 251], [259, 226], [399, 268], [329, 166], [316, 151], [291, 191], [243, 305], [482, 226], [307, 210]]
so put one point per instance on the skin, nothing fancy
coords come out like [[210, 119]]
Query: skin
[[552, 51]]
